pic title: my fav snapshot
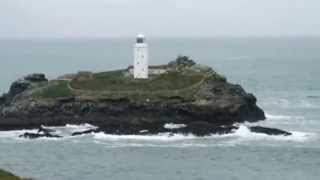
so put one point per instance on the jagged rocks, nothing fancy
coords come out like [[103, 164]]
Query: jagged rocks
[[21, 85], [36, 78], [2, 99], [182, 61], [42, 132], [18, 87], [38, 135], [202, 128], [269, 131]]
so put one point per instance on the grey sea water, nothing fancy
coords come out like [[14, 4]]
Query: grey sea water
[[282, 72]]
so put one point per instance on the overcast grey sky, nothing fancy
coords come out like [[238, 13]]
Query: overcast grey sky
[[113, 18]]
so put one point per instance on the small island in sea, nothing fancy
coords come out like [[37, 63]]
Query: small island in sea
[[179, 97]]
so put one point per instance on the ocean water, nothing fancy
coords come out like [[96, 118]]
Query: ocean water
[[282, 72]]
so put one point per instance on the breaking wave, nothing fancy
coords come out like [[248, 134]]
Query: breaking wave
[[240, 136], [64, 131], [158, 137], [281, 117], [15, 133], [245, 134]]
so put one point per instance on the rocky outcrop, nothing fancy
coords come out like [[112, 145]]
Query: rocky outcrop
[[269, 131], [38, 135], [36, 78], [42, 132], [22, 85], [3, 99], [182, 61], [202, 128], [213, 107], [198, 128]]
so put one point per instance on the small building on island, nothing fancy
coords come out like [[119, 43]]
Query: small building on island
[[141, 58], [141, 68]]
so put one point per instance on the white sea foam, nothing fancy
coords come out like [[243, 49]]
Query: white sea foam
[[81, 127], [70, 128], [244, 134], [271, 116], [15, 133], [64, 131], [283, 117], [174, 126], [158, 137], [293, 121]]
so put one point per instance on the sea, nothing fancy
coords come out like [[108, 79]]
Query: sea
[[282, 72]]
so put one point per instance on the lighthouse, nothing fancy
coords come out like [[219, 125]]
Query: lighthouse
[[141, 58]]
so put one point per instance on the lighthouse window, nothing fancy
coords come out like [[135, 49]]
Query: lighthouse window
[[140, 40]]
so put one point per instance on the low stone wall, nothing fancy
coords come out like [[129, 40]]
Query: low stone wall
[[152, 71]]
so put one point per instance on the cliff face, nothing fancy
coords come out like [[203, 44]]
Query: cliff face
[[187, 93]]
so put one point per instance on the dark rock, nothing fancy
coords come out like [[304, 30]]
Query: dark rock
[[18, 87], [22, 85], [36, 78], [183, 61], [202, 128], [42, 132], [3, 99], [269, 131], [45, 130], [38, 135], [85, 132]]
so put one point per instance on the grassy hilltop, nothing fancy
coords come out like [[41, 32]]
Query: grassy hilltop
[[182, 78]]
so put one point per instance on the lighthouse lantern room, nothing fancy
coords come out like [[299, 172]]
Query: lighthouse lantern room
[[141, 55]]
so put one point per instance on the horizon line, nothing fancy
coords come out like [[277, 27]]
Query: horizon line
[[156, 37]]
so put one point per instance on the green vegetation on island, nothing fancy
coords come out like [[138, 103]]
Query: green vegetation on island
[[180, 78], [4, 175], [119, 81], [55, 89]]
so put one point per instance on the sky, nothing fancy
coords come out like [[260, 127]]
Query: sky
[[158, 18]]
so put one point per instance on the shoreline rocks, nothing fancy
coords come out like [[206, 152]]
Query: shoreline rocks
[[200, 129], [269, 131]]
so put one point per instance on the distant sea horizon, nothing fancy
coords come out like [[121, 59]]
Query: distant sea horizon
[[68, 37]]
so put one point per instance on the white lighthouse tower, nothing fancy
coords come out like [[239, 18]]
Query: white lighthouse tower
[[141, 58]]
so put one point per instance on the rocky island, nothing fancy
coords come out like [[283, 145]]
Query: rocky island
[[180, 97]]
